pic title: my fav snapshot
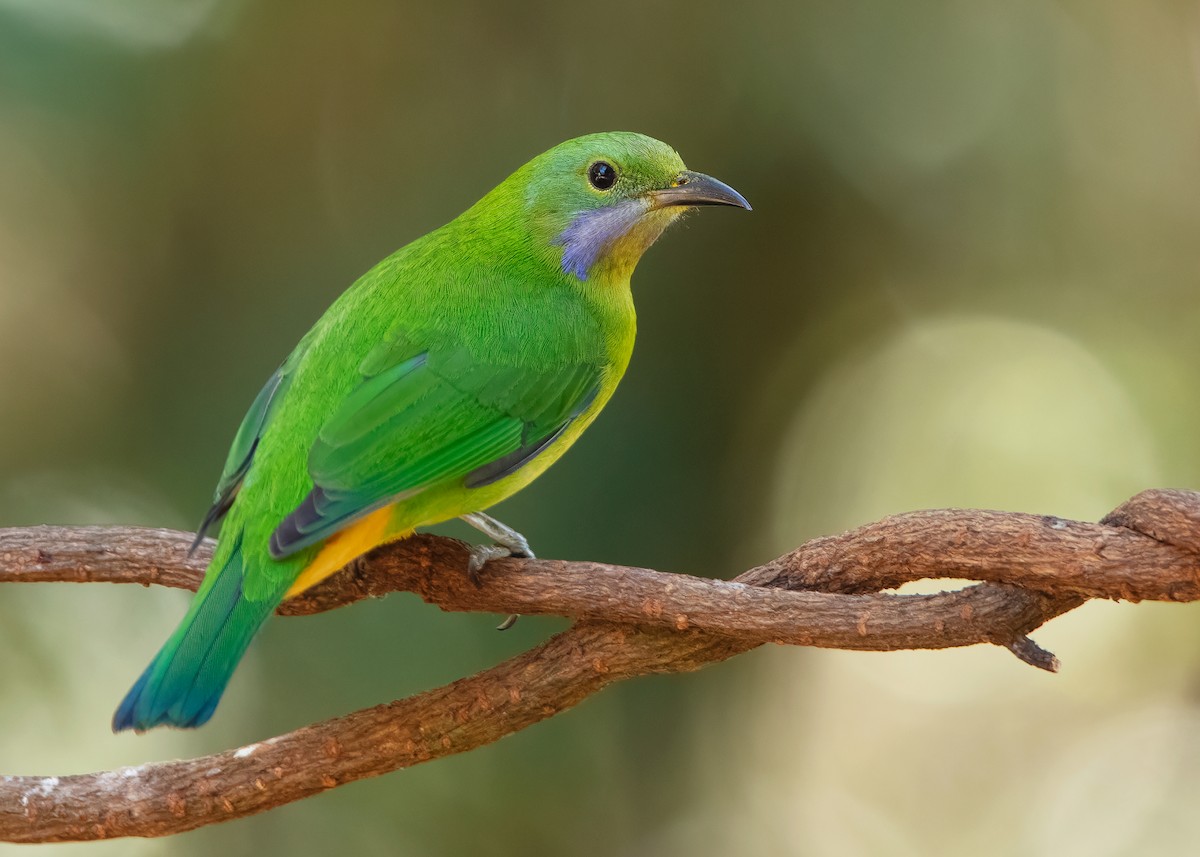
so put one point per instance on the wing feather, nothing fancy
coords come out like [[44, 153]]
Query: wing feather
[[427, 418]]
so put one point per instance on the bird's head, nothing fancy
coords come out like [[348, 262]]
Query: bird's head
[[597, 202]]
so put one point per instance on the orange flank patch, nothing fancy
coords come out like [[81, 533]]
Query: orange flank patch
[[339, 549]]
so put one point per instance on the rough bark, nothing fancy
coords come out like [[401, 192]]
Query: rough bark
[[630, 622]]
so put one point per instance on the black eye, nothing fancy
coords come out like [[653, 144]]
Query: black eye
[[602, 175]]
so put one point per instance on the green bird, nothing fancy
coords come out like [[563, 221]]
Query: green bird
[[444, 380]]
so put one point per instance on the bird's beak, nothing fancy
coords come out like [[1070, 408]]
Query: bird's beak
[[697, 189]]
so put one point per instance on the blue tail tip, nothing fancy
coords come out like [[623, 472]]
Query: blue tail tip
[[141, 713]]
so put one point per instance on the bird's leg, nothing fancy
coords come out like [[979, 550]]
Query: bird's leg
[[508, 543]]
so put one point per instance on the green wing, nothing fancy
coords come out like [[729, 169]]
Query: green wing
[[245, 442], [424, 417]]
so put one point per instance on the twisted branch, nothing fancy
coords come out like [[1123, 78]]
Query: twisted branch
[[630, 622]]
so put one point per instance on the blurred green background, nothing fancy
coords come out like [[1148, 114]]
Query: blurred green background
[[970, 279]]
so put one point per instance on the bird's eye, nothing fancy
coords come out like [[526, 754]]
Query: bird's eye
[[602, 175]]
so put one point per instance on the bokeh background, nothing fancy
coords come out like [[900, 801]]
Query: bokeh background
[[970, 279]]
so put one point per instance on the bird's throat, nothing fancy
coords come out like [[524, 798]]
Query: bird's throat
[[611, 240]]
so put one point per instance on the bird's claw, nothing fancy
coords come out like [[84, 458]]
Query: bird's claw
[[481, 555], [508, 543]]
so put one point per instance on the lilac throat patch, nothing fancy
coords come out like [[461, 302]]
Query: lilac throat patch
[[593, 232]]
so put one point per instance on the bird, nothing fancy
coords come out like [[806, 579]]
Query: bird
[[444, 380]]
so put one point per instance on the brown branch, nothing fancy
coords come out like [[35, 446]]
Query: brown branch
[[630, 622]]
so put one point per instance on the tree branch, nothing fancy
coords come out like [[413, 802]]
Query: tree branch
[[630, 622]]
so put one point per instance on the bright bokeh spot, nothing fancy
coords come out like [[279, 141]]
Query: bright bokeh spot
[[961, 411], [970, 411]]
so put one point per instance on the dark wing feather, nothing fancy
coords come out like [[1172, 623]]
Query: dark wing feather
[[245, 443]]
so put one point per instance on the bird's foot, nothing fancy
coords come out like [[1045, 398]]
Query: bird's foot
[[481, 555], [508, 543]]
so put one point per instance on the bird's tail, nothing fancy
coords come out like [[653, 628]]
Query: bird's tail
[[184, 682]]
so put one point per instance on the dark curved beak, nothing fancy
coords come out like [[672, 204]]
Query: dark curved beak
[[697, 189]]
